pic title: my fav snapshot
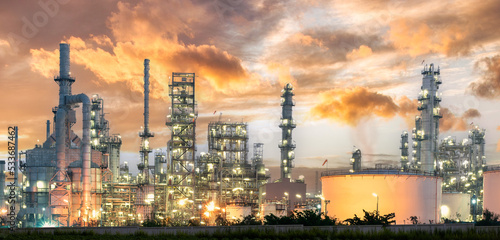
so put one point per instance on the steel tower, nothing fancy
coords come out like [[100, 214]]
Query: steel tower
[[287, 125], [426, 132], [181, 154], [146, 134]]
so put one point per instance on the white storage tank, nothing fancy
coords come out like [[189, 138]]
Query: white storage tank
[[234, 212], [276, 209], [491, 192], [456, 206], [402, 193]]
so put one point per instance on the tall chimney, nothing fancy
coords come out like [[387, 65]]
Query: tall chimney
[[64, 70], [146, 95]]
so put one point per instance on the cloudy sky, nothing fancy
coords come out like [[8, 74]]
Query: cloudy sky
[[355, 66]]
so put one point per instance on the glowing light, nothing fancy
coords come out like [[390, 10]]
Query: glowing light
[[445, 210], [211, 206], [374, 194], [48, 225], [207, 214]]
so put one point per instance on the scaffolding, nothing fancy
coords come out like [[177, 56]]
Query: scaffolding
[[461, 164], [101, 140], [226, 175], [181, 147]]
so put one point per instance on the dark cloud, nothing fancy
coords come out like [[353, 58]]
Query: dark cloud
[[489, 85]]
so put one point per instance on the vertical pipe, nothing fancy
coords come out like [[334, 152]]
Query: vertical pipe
[[64, 67], [48, 130], [86, 161], [146, 96], [61, 142]]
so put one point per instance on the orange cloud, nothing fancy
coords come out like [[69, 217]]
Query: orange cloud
[[283, 73], [419, 39], [498, 143], [452, 122], [453, 32], [362, 52], [350, 106], [305, 40], [408, 110], [137, 36]]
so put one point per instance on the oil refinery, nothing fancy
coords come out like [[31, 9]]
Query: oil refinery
[[72, 180]]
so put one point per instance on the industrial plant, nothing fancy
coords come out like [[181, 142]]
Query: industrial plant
[[443, 180], [72, 180]]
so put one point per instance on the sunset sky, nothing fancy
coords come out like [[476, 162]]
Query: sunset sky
[[355, 66]]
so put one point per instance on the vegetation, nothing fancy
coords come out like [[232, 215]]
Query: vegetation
[[489, 219], [260, 234], [306, 218], [372, 218]]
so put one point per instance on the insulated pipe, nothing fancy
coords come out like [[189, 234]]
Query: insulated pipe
[[82, 98], [60, 142]]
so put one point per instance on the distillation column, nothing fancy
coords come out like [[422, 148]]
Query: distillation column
[[404, 151], [426, 132], [287, 125], [146, 134], [181, 153], [60, 195]]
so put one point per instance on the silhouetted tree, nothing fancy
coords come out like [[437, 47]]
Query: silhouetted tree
[[372, 218]]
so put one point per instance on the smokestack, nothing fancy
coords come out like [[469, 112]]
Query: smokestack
[[146, 95], [64, 70], [48, 130], [144, 165]]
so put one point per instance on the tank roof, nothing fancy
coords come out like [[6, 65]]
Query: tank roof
[[376, 172]]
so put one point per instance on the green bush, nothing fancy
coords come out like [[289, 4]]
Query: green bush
[[372, 218]]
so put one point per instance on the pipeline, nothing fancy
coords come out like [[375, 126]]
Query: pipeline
[[84, 99], [61, 142]]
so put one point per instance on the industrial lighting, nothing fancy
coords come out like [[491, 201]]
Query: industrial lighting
[[375, 195], [211, 206]]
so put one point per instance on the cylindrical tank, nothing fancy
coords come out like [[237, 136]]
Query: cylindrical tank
[[390, 191], [237, 212], [456, 206], [491, 192], [272, 208]]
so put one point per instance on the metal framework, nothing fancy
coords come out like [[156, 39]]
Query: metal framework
[[462, 164], [182, 123], [101, 140]]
